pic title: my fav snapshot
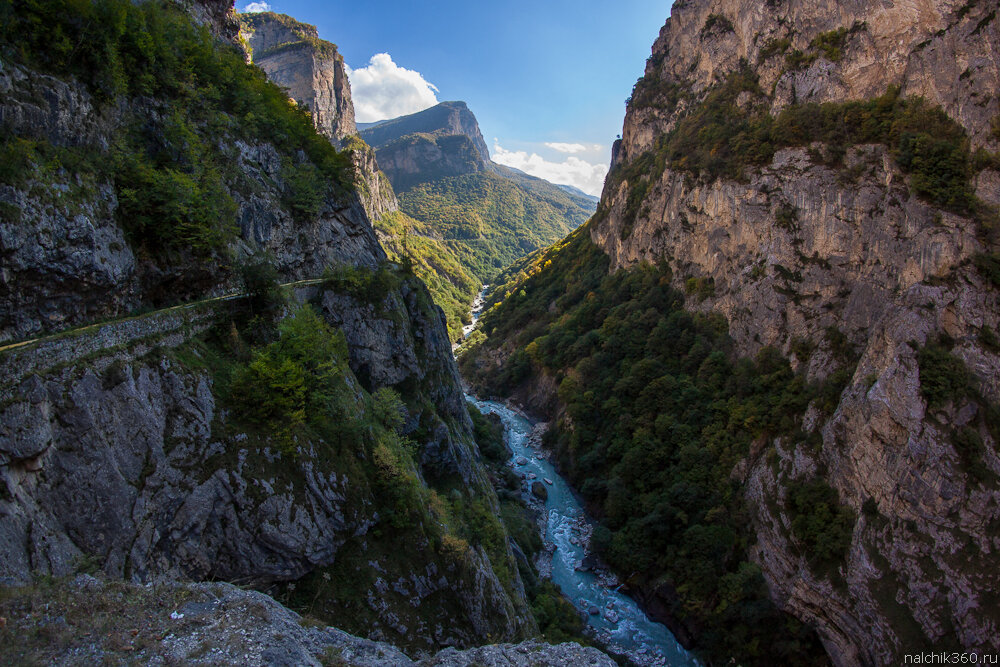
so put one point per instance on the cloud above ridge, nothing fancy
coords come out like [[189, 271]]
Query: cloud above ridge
[[382, 89], [572, 148], [571, 171], [256, 7]]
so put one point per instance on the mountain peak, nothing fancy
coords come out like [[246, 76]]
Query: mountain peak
[[310, 69], [446, 119]]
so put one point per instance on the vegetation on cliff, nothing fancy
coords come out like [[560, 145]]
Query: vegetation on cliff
[[304, 34], [186, 97], [656, 415], [724, 135], [289, 394], [451, 285]]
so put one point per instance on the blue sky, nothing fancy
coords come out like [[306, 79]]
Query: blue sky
[[547, 79]]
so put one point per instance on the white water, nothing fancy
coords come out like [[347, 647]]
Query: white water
[[620, 622], [477, 309]]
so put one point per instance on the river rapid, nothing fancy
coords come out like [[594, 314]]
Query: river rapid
[[615, 618]]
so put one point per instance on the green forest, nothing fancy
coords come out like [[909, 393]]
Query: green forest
[[451, 285], [488, 221]]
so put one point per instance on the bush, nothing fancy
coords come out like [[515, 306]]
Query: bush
[[989, 267], [259, 279], [716, 23], [820, 523], [293, 382], [943, 377], [557, 618], [489, 437]]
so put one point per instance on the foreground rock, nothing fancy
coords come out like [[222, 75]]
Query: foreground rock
[[88, 621]]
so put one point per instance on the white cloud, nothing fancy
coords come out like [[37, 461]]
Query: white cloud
[[383, 90], [571, 171], [573, 148], [256, 7]]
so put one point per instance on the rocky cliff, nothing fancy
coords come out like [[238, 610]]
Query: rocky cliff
[[312, 441], [800, 227], [309, 68], [435, 143], [314, 75]]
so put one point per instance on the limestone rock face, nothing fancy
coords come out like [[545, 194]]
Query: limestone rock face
[[113, 451], [439, 142], [798, 247], [313, 72], [310, 69], [375, 190], [943, 50], [842, 254]]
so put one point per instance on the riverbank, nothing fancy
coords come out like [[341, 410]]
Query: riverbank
[[613, 619]]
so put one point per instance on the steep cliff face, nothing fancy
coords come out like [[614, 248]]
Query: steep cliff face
[[309, 68], [435, 143], [375, 190], [798, 234], [173, 444], [67, 257], [218, 15]]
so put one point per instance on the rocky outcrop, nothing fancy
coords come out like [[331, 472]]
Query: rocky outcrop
[[221, 624], [218, 15], [800, 247], [796, 249], [375, 190], [943, 50], [435, 143], [313, 72], [447, 119], [125, 424], [309, 68]]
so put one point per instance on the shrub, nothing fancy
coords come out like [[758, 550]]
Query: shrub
[[989, 267], [557, 618], [820, 523], [831, 43], [259, 279], [293, 382], [716, 23], [774, 47], [943, 377]]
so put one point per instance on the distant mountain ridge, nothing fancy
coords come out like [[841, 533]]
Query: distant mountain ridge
[[489, 214], [444, 119]]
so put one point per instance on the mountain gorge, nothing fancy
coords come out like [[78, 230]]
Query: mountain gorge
[[769, 360], [787, 300]]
